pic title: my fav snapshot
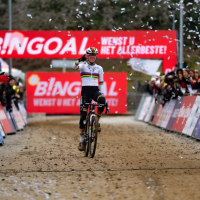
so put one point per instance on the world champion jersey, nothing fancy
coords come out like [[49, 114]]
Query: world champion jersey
[[91, 75]]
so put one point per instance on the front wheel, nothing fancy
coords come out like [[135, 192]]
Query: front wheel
[[93, 137], [86, 137]]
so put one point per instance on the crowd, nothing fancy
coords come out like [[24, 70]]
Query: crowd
[[10, 91], [175, 84]]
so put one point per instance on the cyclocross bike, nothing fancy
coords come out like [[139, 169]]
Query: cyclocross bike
[[92, 129]]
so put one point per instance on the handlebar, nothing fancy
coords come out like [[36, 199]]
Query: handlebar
[[98, 104]]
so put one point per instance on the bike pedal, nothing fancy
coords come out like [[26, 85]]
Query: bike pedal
[[99, 129]]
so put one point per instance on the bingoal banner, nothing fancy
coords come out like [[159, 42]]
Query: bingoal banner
[[59, 93], [72, 44]]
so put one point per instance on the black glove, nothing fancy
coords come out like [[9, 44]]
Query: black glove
[[82, 59]]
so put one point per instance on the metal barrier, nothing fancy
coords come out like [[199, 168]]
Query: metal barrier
[[133, 100]]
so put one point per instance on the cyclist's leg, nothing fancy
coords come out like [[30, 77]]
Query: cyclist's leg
[[100, 98]]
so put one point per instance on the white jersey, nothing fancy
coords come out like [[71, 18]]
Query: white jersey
[[91, 75]]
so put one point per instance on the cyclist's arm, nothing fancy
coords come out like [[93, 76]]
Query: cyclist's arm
[[101, 85], [77, 65]]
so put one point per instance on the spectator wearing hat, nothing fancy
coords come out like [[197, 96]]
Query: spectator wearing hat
[[10, 92]]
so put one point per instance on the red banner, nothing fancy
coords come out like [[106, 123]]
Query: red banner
[[184, 113], [158, 113], [72, 44], [49, 92]]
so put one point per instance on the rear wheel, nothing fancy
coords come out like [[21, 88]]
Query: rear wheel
[[86, 136], [93, 138]]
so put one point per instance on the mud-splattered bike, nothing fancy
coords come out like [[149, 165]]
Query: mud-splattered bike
[[92, 128]]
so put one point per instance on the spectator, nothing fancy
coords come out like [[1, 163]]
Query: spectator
[[187, 79], [10, 92], [196, 74], [179, 71], [167, 94], [176, 89], [175, 68], [169, 78], [192, 74], [181, 82]]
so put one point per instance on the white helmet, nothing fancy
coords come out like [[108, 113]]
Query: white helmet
[[92, 50]]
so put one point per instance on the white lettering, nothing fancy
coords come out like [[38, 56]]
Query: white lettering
[[38, 46], [112, 87], [15, 44], [76, 90], [58, 88], [104, 40], [131, 40], [51, 40], [70, 46], [83, 45], [41, 88]]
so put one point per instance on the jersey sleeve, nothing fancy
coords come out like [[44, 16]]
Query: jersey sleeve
[[101, 78], [77, 65]]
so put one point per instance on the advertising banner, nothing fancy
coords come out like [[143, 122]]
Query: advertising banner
[[168, 111], [55, 93], [4, 121], [196, 131], [158, 113], [162, 115], [174, 113], [137, 114], [184, 113], [72, 44], [145, 107], [2, 131], [193, 118], [1, 138], [150, 110]]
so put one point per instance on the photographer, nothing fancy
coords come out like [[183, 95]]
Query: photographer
[[172, 89]]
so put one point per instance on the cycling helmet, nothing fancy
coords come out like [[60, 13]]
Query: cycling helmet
[[92, 51]]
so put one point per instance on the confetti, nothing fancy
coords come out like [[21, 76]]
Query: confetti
[[133, 87], [29, 15]]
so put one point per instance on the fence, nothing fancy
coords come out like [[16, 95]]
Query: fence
[[181, 115], [133, 100], [11, 122]]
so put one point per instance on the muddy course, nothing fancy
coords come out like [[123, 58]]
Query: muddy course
[[133, 161]]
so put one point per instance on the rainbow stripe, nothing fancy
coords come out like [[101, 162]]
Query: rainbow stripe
[[88, 74], [84, 109], [100, 82]]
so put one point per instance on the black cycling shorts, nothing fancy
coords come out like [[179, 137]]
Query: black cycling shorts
[[89, 93]]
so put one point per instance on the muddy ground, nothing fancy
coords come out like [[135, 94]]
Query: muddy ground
[[133, 161]]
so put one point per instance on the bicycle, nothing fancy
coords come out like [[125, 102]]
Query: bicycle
[[92, 127]]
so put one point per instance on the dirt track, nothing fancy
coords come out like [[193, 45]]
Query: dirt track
[[133, 161]]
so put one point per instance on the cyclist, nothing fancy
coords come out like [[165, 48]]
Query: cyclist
[[92, 87]]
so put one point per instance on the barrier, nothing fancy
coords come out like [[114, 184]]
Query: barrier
[[181, 115], [4, 121], [140, 106], [184, 113], [174, 113], [150, 110], [193, 118], [145, 108], [10, 122], [1, 139], [2, 131]]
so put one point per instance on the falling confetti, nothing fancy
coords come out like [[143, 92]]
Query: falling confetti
[[133, 87], [29, 15]]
